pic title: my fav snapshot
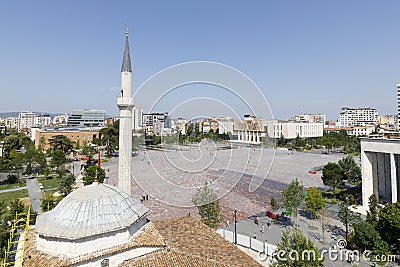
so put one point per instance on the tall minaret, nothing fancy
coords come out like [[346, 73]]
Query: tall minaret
[[125, 105]]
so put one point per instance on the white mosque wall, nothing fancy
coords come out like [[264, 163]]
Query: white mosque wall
[[74, 248]]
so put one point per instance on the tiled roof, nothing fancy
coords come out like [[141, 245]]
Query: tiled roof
[[169, 258], [185, 242], [191, 243], [150, 237]]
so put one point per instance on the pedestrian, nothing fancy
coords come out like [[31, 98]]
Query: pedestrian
[[227, 223], [262, 229], [256, 220], [254, 235], [268, 223]]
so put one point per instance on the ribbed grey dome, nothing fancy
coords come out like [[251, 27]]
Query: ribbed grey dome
[[90, 210]]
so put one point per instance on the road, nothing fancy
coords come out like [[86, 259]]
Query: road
[[35, 194], [273, 234], [13, 189]]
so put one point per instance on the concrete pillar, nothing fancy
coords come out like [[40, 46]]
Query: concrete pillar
[[393, 178], [367, 176], [380, 157]]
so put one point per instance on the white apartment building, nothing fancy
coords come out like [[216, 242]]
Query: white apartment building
[[26, 120], [398, 99], [154, 122], [362, 130], [43, 120], [60, 119], [350, 117], [11, 122], [291, 130], [137, 118], [309, 118], [225, 125]]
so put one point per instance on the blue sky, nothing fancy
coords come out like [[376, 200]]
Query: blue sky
[[305, 56]]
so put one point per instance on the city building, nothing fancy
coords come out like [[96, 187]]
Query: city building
[[389, 121], [43, 120], [398, 99], [208, 125], [60, 120], [180, 125], [309, 118], [380, 167], [26, 120], [86, 118], [350, 117], [137, 118], [79, 136], [154, 123], [225, 125], [253, 129], [12, 122]]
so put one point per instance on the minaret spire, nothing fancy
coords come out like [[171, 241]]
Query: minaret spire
[[126, 61]]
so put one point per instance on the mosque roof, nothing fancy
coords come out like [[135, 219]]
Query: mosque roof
[[90, 210]]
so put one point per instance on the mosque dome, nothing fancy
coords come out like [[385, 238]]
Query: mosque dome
[[91, 210]]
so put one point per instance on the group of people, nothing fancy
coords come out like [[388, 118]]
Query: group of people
[[256, 221]]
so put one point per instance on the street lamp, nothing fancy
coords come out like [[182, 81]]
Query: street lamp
[[235, 238], [346, 218]]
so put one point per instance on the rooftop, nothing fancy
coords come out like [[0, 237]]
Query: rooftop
[[90, 210]]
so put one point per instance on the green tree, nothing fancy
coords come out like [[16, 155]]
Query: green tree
[[365, 237], [372, 214], [299, 251], [292, 197], [314, 201], [61, 142], [66, 183], [16, 206], [351, 170], [346, 216], [88, 150], [206, 201], [109, 139], [389, 224], [332, 175], [12, 179], [281, 140], [93, 173], [58, 158], [49, 202], [274, 203]]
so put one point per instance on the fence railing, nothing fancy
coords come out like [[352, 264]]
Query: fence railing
[[248, 242]]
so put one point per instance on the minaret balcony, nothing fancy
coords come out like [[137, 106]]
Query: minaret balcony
[[125, 102]]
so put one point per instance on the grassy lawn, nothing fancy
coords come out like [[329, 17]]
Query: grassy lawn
[[10, 196], [49, 183]]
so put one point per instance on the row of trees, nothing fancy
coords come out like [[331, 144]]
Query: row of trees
[[330, 140]]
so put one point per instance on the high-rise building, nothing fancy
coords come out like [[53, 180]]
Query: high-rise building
[[26, 120], [125, 105], [137, 116], [398, 100], [350, 117], [86, 118]]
